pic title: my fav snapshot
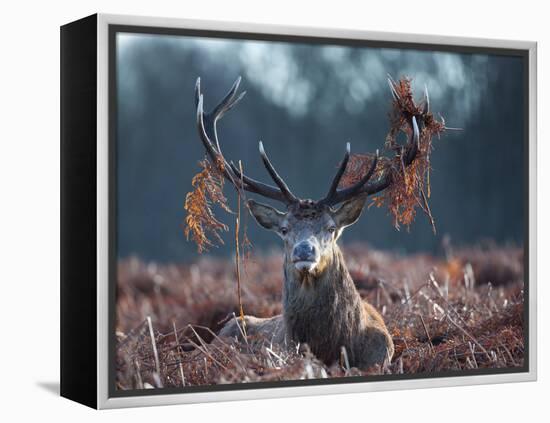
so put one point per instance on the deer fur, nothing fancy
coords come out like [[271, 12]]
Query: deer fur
[[321, 306], [325, 311]]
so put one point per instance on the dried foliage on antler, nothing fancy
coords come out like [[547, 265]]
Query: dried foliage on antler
[[402, 179], [207, 192], [410, 183]]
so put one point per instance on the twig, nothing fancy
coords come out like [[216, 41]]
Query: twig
[[138, 374], [237, 252], [130, 334], [473, 354], [456, 358], [400, 366], [469, 280], [179, 352], [427, 333], [427, 210], [203, 348], [465, 332], [381, 284], [435, 305], [344, 357], [155, 352], [415, 293], [407, 292], [509, 353], [277, 356], [435, 286], [213, 344], [241, 330]]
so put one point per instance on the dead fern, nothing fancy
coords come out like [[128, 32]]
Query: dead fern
[[410, 187], [207, 192]]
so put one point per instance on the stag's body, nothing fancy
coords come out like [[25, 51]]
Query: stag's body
[[321, 306], [325, 311]]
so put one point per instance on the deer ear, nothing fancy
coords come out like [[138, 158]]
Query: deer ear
[[265, 215], [348, 213]]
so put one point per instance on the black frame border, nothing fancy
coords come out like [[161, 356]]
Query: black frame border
[[78, 211], [113, 29]]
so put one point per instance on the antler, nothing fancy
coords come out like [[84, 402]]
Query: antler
[[206, 124], [365, 186]]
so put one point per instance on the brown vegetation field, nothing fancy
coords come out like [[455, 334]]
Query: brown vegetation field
[[461, 311]]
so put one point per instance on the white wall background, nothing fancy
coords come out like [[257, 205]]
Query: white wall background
[[29, 231]]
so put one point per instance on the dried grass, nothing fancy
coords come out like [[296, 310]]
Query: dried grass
[[461, 312]]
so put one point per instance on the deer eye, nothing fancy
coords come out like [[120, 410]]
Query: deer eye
[[331, 229], [284, 230]]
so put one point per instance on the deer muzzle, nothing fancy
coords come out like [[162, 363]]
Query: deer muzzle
[[305, 256]]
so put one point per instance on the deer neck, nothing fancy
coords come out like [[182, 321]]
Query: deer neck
[[322, 310]]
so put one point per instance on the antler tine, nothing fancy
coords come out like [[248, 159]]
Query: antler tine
[[426, 100], [336, 196], [291, 198], [229, 100], [338, 176], [258, 187], [408, 157], [363, 186], [393, 88], [206, 124], [414, 143], [197, 92], [356, 188], [223, 106], [211, 150]]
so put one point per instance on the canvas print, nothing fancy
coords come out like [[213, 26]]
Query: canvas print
[[293, 211]]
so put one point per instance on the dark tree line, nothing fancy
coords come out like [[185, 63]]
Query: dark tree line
[[304, 103]]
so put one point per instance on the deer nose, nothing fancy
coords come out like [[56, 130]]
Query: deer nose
[[304, 251]]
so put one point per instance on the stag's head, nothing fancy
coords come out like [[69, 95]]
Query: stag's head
[[308, 228]]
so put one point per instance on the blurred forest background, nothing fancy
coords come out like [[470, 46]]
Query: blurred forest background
[[304, 101]]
